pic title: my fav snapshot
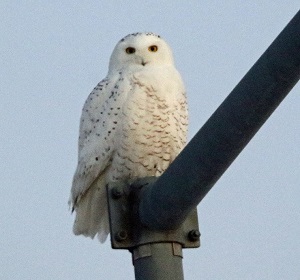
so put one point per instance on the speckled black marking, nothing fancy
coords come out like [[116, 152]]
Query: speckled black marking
[[111, 94], [139, 34]]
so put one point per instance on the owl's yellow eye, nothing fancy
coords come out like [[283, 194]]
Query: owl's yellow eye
[[130, 50], [153, 48]]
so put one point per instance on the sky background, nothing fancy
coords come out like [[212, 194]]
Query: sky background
[[53, 53]]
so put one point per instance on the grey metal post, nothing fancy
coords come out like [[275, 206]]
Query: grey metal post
[[158, 261], [156, 255]]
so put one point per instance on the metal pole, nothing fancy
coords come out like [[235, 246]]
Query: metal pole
[[156, 255], [158, 261], [194, 172], [154, 221]]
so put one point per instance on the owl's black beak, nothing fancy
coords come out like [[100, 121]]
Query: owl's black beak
[[143, 63]]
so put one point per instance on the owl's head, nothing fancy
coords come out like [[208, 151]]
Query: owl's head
[[140, 49]]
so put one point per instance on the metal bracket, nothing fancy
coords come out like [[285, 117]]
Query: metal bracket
[[127, 231]]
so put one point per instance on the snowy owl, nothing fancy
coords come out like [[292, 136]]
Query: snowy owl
[[133, 125]]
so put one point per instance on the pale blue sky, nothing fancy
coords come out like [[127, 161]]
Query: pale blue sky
[[54, 52]]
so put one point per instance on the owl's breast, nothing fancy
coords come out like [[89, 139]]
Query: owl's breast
[[150, 136]]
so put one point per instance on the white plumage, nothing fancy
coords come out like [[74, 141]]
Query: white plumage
[[133, 125]]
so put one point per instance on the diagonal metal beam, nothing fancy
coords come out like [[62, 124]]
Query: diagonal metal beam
[[194, 172]]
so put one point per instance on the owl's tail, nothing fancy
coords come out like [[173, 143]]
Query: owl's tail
[[91, 212]]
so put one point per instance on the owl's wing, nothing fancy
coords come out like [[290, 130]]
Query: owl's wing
[[98, 123]]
